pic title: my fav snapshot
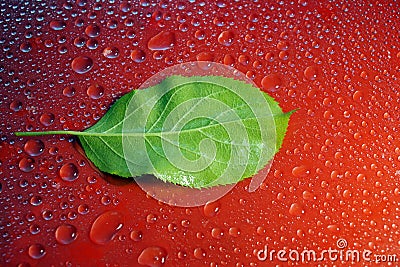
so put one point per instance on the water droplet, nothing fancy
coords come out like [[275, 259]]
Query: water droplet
[[358, 96], [211, 208], [153, 256], [57, 25], [26, 164], [82, 64], [111, 52], [69, 172], [199, 253], [66, 234], [162, 41], [47, 215], [36, 251], [92, 30], [34, 229], [138, 55], [311, 73], [36, 200], [69, 91], [47, 119], [151, 218], [83, 209], [25, 47], [16, 105], [296, 209], [307, 195], [271, 83], [136, 235], [217, 233], [172, 227], [34, 147], [106, 226], [95, 91], [300, 171], [234, 231], [226, 38]]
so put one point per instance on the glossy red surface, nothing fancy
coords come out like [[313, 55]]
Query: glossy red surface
[[336, 177]]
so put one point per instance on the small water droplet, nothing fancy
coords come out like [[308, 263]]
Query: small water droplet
[[82, 64], [311, 73], [234, 231], [138, 55], [36, 200], [172, 227], [92, 30], [83, 209], [26, 164], [211, 208], [106, 226], [34, 229], [300, 171], [271, 82], [162, 41], [358, 96], [16, 105], [25, 47], [69, 172], [95, 91], [47, 119], [226, 38], [217, 233], [307, 195], [136, 235], [57, 25], [36, 251], [69, 91], [153, 256], [66, 234], [34, 147], [111, 52], [296, 209], [199, 253]]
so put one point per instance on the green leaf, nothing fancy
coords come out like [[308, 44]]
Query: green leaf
[[196, 131]]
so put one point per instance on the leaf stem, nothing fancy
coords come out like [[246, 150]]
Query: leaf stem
[[50, 133]]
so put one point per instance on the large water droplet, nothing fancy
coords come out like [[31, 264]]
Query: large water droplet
[[69, 172], [162, 41], [36, 251], [34, 147], [66, 234], [82, 64], [106, 226], [153, 256], [226, 38]]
